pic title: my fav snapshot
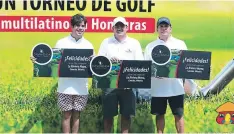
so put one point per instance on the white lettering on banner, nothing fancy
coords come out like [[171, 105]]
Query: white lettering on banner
[[103, 25], [62, 24], [96, 24], [195, 60], [133, 69], [33, 23], [6, 24], [76, 58]]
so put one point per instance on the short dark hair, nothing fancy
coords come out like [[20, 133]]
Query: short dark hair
[[77, 19]]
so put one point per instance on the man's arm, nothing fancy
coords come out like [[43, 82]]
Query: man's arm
[[138, 52], [146, 55], [92, 47], [102, 50], [184, 46], [57, 45]]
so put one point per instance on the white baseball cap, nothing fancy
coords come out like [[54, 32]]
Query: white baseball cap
[[120, 19]]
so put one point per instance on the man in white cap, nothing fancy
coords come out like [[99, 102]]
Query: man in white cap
[[119, 47]]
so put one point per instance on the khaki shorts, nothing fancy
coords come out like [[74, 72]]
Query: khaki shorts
[[68, 102]]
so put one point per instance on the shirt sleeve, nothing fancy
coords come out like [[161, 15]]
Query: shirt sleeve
[[147, 53], [57, 45], [91, 46], [102, 50], [146, 57], [138, 52], [184, 46]]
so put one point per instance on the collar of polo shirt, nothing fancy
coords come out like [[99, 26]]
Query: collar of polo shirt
[[122, 42], [73, 39], [170, 37]]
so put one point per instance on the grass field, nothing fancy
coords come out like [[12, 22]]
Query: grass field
[[202, 25]]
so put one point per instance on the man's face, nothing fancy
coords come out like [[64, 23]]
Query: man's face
[[164, 29], [79, 29], [120, 29]]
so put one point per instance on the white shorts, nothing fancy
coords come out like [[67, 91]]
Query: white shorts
[[68, 102]]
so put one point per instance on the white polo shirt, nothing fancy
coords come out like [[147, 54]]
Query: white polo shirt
[[73, 86], [166, 87], [128, 49]]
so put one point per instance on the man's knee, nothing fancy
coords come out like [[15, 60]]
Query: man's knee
[[67, 114], [126, 117], [75, 114], [178, 117], [108, 121], [178, 113], [160, 116]]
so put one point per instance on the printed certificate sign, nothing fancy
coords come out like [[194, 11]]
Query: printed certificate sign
[[123, 74], [172, 63], [61, 62]]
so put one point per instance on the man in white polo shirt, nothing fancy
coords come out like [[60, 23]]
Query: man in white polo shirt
[[119, 47], [73, 92], [166, 90]]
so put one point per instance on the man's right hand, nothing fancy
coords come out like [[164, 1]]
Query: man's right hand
[[33, 59], [114, 59], [159, 77]]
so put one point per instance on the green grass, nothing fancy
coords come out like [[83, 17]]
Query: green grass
[[17, 85], [199, 24]]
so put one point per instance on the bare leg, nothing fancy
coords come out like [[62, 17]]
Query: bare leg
[[179, 123], [125, 124], [108, 123], [66, 121], [75, 121], [160, 123]]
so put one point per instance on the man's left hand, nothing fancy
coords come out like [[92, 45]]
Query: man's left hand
[[91, 56]]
